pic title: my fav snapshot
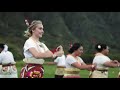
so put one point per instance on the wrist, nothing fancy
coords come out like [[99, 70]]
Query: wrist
[[118, 65], [54, 55], [93, 67]]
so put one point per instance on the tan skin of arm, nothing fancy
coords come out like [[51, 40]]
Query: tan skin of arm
[[38, 55], [82, 67], [111, 64], [83, 63]]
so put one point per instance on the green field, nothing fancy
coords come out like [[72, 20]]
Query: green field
[[50, 69]]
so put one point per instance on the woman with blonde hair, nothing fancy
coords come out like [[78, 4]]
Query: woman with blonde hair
[[35, 51]]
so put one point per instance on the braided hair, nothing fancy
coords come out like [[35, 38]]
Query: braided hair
[[31, 27]]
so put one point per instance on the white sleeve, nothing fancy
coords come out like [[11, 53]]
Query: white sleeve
[[45, 47], [12, 56], [81, 60], [61, 61], [103, 60], [70, 60], [56, 60], [29, 44], [0, 58]]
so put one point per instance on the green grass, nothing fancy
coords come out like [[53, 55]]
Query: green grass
[[50, 70]]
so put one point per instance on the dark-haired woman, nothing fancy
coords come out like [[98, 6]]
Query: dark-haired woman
[[7, 63], [102, 61], [74, 63]]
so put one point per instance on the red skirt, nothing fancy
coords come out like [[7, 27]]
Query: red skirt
[[32, 71]]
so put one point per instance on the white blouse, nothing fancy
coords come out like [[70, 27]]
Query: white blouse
[[100, 60], [40, 47], [6, 57], [60, 60], [70, 60]]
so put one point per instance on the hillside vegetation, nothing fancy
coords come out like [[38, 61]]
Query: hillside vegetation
[[63, 28]]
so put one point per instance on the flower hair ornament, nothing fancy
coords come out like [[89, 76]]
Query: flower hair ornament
[[27, 33], [26, 22], [99, 46]]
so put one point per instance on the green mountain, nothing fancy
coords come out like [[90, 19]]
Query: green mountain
[[63, 28]]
